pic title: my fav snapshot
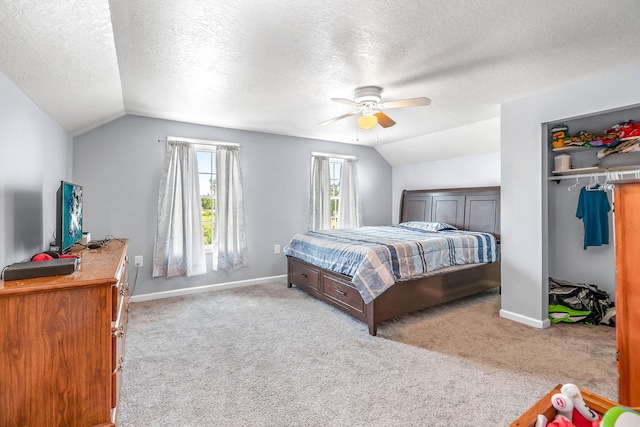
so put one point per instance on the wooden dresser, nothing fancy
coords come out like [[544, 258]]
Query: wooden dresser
[[62, 343], [627, 204]]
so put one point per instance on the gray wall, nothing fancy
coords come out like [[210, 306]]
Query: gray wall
[[119, 166], [35, 155], [524, 163], [478, 170]]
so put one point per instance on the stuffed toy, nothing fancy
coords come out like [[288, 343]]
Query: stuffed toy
[[564, 406], [572, 411], [582, 415]]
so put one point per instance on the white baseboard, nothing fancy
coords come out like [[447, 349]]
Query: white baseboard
[[206, 288], [540, 324]]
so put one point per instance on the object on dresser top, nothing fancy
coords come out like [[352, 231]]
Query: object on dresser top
[[31, 269], [97, 244], [49, 255]]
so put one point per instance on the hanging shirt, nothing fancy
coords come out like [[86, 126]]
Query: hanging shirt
[[593, 210]]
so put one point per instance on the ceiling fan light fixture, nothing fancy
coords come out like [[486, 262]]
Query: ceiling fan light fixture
[[367, 122], [369, 109]]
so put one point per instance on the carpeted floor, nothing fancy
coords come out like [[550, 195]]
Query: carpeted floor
[[267, 355]]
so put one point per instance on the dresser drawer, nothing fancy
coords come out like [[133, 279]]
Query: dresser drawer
[[117, 294], [116, 382], [342, 292], [117, 347], [119, 291], [303, 275], [117, 361]]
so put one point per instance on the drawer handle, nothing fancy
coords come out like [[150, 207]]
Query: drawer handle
[[121, 289], [304, 275], [120, 331], [120, 364], [338, 291]]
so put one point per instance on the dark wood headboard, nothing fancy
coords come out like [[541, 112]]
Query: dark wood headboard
[[474, 209]]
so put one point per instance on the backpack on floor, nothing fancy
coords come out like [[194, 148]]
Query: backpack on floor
[[579, 302]]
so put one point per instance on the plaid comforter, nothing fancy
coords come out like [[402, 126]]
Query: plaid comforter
[[377, 257]]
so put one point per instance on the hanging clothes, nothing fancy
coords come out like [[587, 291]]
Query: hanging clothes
[[593, 210]]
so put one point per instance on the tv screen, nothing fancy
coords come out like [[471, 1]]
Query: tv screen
[[68, 215]]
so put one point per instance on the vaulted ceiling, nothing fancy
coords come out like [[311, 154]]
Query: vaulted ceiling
[[273, 65]]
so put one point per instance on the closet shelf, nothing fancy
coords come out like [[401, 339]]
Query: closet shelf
[[589, 169], [574, 148], [613, 174]]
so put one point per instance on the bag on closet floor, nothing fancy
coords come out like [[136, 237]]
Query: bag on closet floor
[[579, 303]]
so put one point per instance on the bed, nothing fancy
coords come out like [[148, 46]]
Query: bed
[[340, 284]]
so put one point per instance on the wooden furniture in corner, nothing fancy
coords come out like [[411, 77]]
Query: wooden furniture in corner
[[627, 232], [62, 343]]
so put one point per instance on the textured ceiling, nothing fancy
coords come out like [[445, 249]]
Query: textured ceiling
[[273, 65]]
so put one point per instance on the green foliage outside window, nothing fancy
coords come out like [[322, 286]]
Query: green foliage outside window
[[207, 220], [208, 187], [335, 172]]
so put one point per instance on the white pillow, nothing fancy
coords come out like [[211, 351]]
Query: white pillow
[[428, 226]]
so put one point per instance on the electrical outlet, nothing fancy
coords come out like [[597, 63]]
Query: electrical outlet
[[138, 261], [276, 249]]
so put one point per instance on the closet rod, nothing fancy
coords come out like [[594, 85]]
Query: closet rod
[[611, 175]]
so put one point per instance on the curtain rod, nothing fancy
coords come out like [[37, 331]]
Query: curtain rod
[[199, 141], [334, 156]]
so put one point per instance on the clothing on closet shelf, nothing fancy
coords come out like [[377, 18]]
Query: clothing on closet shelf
[[593, 210]]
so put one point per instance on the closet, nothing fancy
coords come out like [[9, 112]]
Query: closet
[[613, 267]]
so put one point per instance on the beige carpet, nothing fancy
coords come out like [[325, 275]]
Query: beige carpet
[[471, 328], [267, 355]]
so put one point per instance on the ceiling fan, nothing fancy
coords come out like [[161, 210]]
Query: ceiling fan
[[367, 100]]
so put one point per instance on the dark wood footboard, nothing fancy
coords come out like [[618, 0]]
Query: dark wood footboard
[[413, 295]]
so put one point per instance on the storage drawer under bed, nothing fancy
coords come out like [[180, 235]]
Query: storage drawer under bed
[[342, 292], [304, 275]]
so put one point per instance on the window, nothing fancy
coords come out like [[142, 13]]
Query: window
[[201, 184], [207, 181], [179, 245], [335, 173], [222, 205], [335, 201]]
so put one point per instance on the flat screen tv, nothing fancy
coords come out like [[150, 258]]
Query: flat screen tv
[[68, 215]]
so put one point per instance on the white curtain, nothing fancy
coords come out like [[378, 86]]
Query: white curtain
[[179, 245], [349, 205], [230, 241], [320, 207]]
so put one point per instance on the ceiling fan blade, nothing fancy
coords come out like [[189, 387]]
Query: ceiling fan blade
[[347, 101], [335, 119], [384, 120], [403, 103]]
